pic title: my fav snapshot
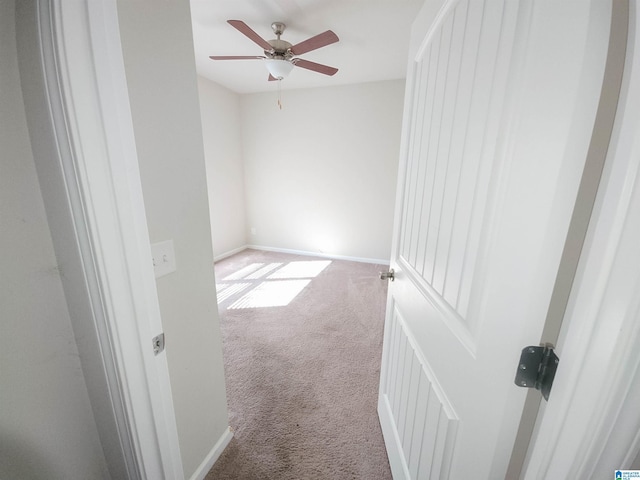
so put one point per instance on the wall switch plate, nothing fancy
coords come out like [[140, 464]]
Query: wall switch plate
[[253, 230], [164, 258]]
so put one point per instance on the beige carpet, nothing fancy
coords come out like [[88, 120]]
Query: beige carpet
[[302, 377]]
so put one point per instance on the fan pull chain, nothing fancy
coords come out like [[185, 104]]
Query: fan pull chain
[[279, 94]]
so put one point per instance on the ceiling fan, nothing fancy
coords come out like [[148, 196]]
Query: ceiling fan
[[279, 55]]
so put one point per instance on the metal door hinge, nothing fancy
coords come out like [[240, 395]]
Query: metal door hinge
[[537, 368], [158, 343]]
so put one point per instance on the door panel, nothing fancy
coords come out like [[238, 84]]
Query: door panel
[[426, 423], [499, 110], [461, 75]]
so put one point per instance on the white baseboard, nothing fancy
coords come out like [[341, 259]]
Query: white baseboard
[[376, 261], [224, 255], [213, 455]]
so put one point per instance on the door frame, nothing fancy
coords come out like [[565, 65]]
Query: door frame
[[78, 110], [591, 424]]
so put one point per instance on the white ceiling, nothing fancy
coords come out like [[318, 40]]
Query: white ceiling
[[374, 39]]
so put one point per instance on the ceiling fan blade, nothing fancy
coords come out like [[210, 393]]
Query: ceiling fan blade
[[313, 43], [316, 67], [235, 57], [246, 30]]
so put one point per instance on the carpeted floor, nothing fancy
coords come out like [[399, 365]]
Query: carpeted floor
[[302, 378]]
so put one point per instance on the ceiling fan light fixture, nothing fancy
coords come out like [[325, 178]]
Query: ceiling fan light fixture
[[279, 68]]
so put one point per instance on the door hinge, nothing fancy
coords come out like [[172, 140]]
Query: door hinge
[[158, 343], [537, 368]]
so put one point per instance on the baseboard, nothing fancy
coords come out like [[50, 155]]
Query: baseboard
[[224, 255], [318, 254], [213, 455]]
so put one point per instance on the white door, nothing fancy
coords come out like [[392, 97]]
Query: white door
[[500, 105]]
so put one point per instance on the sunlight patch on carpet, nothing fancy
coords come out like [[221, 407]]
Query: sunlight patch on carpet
[[263, 271], [243, 272], [306, 269], [271, 294], [232, 290]]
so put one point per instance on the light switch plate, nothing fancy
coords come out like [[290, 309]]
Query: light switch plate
[[164, 258]]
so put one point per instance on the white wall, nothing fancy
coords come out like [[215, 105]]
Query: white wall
[[320, 174], [47, 428], [220, 114], [160, 70]]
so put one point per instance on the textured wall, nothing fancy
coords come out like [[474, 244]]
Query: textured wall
[[158, 55], [320, 174], [220, 113], [47, 428]]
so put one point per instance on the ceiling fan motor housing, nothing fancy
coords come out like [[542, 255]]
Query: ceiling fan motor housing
[[281, 49]]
